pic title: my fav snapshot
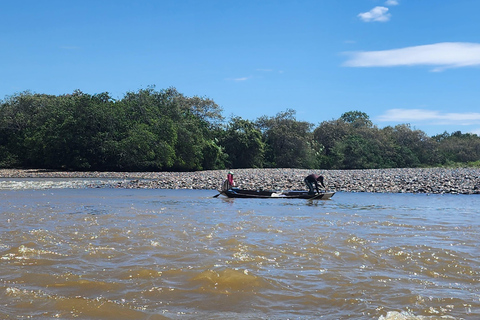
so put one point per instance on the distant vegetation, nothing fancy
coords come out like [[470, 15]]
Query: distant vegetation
[[151, 130]]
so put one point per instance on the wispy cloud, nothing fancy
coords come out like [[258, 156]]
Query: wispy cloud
[[441, 55], [240, 79], [430, 117], [379, 14], [269, 71], [391, 3], [258, 74]]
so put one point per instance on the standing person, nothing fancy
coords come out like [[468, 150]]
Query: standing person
[[228, 183], [230, 179], [311, 180]]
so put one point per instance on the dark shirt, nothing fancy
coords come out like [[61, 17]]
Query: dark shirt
[[312, 178]]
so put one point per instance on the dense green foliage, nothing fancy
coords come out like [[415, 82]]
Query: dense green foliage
[[152, 130], [146, 130], [243, 143]]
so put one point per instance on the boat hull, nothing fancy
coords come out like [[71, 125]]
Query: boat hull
[[262, 194]]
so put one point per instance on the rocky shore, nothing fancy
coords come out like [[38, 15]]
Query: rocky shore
[[431, 180]]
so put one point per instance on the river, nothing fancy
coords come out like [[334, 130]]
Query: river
[[69, 252]]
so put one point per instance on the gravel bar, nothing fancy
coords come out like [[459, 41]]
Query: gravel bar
[[408, 180]]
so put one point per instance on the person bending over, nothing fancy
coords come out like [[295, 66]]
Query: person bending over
[[312, 180]]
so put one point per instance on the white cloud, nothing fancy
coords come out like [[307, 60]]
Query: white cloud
[[269, 71], [391, 3], [441, 55], [239, 79], [430, 116], [376, 14]]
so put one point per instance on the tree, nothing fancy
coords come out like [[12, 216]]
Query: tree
[[415, 146], [289, 142], [155, 115], [17, 120], [328, 133], [197, 132], [203, 108], [184, 127], [243, 144], [458, 147], [352, 141], [356, 118], [356, 152]]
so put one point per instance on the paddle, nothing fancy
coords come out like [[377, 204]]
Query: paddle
[[216, 195]]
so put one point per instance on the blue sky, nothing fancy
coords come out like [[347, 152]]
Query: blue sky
[[405, 61]]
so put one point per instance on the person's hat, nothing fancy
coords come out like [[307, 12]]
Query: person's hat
[[230, 172]]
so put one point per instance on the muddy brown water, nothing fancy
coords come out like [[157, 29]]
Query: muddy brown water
[[80, 253]]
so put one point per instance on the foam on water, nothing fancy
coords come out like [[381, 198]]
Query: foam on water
[[53, 183]]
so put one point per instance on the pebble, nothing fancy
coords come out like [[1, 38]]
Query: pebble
[[406, 180]]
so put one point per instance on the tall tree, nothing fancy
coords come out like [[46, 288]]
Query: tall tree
[[356, 118], [458, 147], [415, 145], [243, 144], [198, 128], [289, 142]]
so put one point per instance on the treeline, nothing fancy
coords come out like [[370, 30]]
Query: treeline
[[151, 130]]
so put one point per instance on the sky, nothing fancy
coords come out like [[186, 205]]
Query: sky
[[413, 62]]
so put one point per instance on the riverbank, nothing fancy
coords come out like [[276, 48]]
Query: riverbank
[[430, 180]]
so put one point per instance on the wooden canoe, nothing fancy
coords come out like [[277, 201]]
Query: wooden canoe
[[265, 194]]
